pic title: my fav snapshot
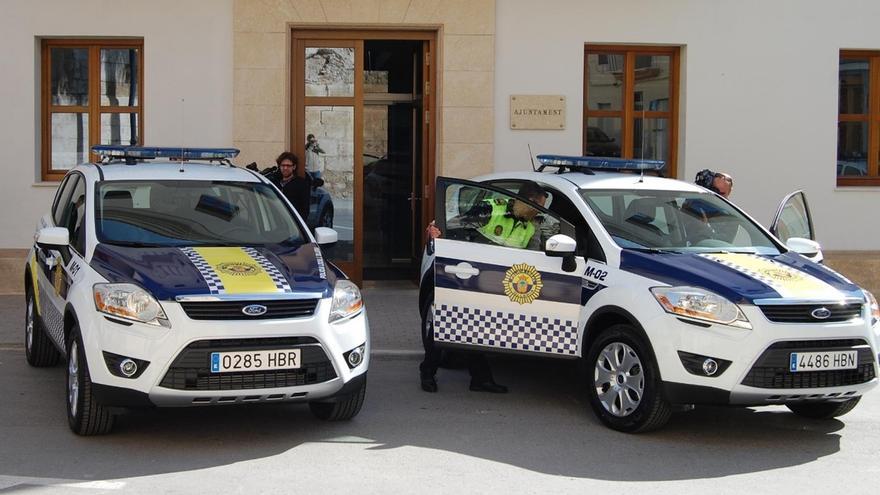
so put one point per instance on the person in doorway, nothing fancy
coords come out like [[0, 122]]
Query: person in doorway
[[313, 160], [506, 222], [296, 189]]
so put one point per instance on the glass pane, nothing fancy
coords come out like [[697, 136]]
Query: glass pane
[[603, 136], [332, 129], [391, 66], [70, 76], [474, 214], [119, 77], [852, 148], [853, 76], [329, 71], [70, 140], [604, 81], [652, 83], [794, 220], [119, 128], [651, 139]]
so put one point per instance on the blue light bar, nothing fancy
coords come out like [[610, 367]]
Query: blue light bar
[[600, 163], [146, 152]]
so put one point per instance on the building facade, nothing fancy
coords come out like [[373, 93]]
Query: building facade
[[782, 95]]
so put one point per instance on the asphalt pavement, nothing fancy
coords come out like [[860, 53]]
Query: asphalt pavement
[[540, 438]]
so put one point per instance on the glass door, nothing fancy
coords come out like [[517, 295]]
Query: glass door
[[328, 116]]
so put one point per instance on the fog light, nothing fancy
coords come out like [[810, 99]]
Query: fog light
[[710, 367], [356, 357], [128, 367]]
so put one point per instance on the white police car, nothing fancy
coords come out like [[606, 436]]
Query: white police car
[[170, 277], [672, 295]]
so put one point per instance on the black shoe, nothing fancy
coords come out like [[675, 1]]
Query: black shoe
[[429, 384], [488, 386]]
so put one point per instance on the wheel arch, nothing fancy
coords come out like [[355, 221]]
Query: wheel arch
[[70, 320], [608, 316], [426, 288]]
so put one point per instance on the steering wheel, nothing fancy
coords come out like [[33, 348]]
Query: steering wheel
[[713, 243]]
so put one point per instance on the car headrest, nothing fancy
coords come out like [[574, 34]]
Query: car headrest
[[118, 199]]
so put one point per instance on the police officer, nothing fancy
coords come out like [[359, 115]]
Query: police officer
[[503, 222]]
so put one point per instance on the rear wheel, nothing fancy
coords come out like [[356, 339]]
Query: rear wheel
[[343, 409], [84, 414], [823, 410], [625, 392], [39, 350]]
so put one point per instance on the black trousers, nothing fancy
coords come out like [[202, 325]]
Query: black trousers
[[478, 365]]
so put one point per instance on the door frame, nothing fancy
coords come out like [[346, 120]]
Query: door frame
[[298, 101]]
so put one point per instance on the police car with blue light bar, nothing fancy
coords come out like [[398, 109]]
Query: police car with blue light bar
[[170, 277], [672, 295]]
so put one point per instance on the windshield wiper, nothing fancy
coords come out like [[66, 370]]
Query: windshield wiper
[[655, 250], [134, 244]]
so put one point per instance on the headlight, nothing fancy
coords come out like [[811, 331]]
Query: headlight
[[129, 302], [700, 304], [872, 303], [346, 300]]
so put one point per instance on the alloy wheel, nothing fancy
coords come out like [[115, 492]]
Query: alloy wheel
[[619, 379]]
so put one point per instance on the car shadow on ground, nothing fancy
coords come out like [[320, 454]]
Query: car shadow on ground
[[543, 425]]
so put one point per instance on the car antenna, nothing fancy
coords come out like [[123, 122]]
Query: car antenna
[[182, 130], [531, 157], [642, 151]]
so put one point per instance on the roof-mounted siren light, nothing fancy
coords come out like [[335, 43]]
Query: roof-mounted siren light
[[131, 153], [587, 164]]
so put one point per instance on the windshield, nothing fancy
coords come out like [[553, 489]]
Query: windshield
[[676, 221], [192, 213]]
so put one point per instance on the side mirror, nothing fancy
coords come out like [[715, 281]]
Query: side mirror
[[806, 247], [325, 235], [560, 245], [56, 238]]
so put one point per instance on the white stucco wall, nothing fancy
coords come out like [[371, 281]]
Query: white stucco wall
[[187, 55], [758, 91]]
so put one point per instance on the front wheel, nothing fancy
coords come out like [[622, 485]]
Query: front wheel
[[343, 409], [84, 414], [625, 392], [823, 410]]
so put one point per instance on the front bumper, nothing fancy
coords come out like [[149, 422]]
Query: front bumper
[[178, 373], [758, 373]]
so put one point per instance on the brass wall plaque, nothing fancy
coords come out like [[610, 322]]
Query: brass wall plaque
[[537, 112]]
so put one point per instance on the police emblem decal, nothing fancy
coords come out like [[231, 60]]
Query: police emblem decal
[[522, 283], [238, 268], [499, 230]]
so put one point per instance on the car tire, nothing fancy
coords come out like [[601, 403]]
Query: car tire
[[343, 408], [823, 410], [84, 414], [624, 389], [39, 349], [325, 219]]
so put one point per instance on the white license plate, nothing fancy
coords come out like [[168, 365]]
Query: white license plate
[[276, 359], [822, 361]]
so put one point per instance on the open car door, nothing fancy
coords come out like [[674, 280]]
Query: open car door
[[793, 225], [501, 282]]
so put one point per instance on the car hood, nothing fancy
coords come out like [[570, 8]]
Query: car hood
[[167, 272], [742, 277]]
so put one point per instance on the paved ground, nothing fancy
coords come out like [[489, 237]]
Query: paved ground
[[540, 438]]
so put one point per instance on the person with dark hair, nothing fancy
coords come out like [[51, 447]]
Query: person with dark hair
[[313, 160], [718, 182], [506, 222], [295, 188]]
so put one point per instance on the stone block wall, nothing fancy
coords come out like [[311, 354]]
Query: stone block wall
[[466, 37]]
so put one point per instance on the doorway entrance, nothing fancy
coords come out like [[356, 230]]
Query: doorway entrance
[[362, 115]]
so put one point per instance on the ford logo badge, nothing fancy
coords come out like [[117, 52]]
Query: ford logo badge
[[254, 309], [821, 313]]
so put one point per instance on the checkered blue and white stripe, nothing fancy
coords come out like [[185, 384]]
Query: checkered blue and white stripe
[[280, 282], [215, 285], [504, 330]]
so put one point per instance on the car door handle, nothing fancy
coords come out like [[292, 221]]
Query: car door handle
[[462, 270]]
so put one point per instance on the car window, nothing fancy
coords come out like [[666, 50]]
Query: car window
[[62, 197], [188, 213], [676, 220], [487, 216], [794, 219], [75, 219]]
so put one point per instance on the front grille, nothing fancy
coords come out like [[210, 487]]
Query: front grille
[[191, 368], [802, 313], [232, 310], [772, 368]]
